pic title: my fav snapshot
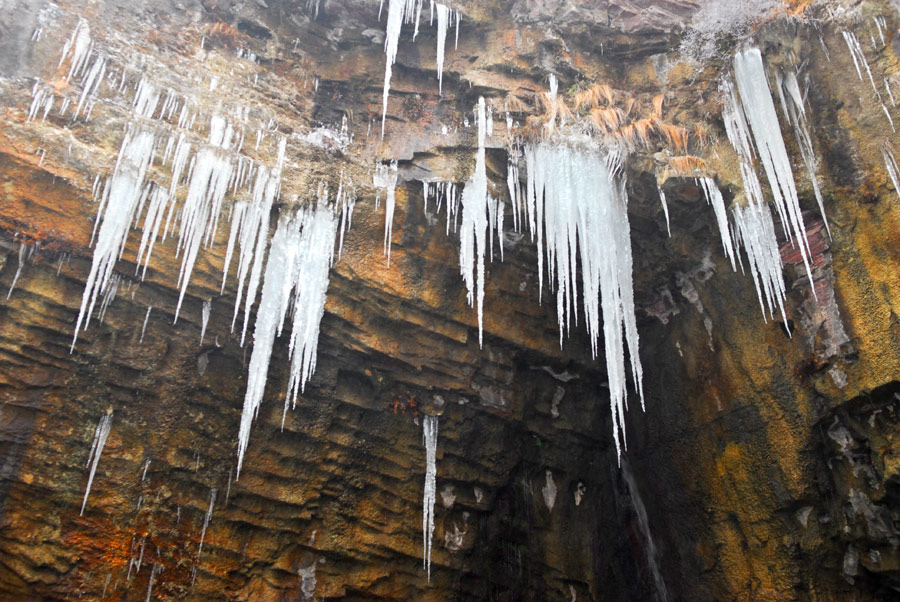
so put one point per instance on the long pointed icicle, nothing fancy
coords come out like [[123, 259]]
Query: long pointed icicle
[[316, 250], [206, 518], [756, 100], [299, 256], [714, 198], [665, 208], [890, 163], [792, 103], [385, 178], [101, 433], [429, 436], [474, 229], [443, 24], [399, 11]]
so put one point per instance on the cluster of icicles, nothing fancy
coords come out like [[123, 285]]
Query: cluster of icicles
[[410, 11], [573, 203], [204, 174]]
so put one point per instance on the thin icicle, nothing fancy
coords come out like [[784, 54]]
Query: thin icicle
[[91, 83], [18, 270], [156, 570], [159, 200], [890, 163], [346, 200], [101, 433], [429, 437], [204, 318], [792, 102], [209, 511], [889, 118], [385, 178], [714, 198], [665, 208], [443, 23], [859, 59], [474, 232], [144, 327]]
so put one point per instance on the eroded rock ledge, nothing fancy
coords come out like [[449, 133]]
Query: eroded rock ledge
[[762, 465]]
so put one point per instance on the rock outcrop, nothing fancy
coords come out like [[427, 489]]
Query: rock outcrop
[[763, 467]]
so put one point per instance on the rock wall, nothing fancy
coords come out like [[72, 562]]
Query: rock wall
[[762, 468]]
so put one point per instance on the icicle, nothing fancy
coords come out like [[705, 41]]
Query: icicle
[[156, 209], [315, 252], [116, 213], [890, 164], [578, 199], [109, 295], [443, 23], [792, 101], [39, 96], [512, 183], [385, 178], [346, 200], [204, 318], [399, 12], [228, 486], [429, 437], [665, 207], [391, 40], [80, 45], [18, 270], [859, 59], [146, 98], [101, 433], [739, 135], [91, 83], [889, 118], [474, 230], [156, 570], [254, 234], [209, 180], [759, 109], [209, 511], [299, 259], [878, 25], [757, 234], [714, 198]]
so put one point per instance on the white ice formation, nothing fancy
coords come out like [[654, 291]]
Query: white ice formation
[[576, 197], [429, 436], [101, 433]]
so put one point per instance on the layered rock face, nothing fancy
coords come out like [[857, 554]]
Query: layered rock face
[[763, 467]]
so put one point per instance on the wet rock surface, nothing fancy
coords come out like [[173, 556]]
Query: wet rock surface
[[764, 462]]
